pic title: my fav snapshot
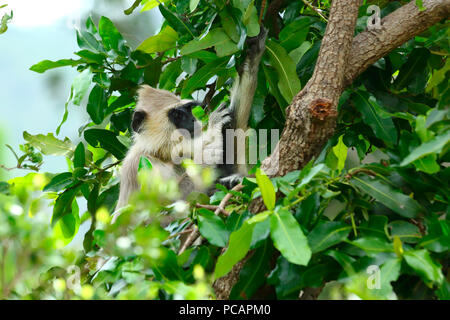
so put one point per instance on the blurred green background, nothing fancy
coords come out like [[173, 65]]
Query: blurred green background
[[45, 30]]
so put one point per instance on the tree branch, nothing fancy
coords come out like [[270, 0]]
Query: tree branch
[[396, 28], [311, 117]]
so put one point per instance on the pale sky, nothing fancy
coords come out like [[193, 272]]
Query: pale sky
[[32, 13]]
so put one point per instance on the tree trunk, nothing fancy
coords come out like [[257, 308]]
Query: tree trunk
[[311, 117]]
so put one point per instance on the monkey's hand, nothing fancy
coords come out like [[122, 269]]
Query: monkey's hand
[[257, 45], [220, 118]]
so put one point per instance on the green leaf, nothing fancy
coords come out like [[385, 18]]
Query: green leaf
[[414, 74], [375, 227], [106, 140], [327, 234], [80, 86], [427, 164], [97, 104], [426, 268], [250, 20], [189, 65], [288, 237], [373, 245], [419, 4], [435, 145], [90, 25], [288, 81], [295, 33], [298, 52], [229, 24], [340, 150], [78, 90], [271, 77], [344, 260], [438, 76], [386, 195], [79, 156], [5, 187], [307, 179], [45, 65], [260, 233], [150, 4], [59, 182], [111, 38], [164, 40], [389, 271], [201, 77], [203, 55], [67, 227], [88, 41], [238, 246], [253, 275], [144, 163], [91, 57], [176, 22], [383, 128], [193, 5], [214, 38], [49, 145], [406, 231], [63, 205], [267, 189], [212, 228]]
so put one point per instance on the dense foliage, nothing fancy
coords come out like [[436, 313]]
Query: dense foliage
[[372, 208]]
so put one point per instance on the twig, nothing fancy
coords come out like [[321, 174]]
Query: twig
[[212, 208], [355, 172], [195, 233], [190, 240], [227, 197], [272, 14], [211, 90], [8, 169], [261, 13], [163, 62], [110, 166], [316, 10], [179, 233]]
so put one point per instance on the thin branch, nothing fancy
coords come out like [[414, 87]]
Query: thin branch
[[315, 9], [212, 208], [209, 95], [221, 208], [227, 197], [261, 13], [190, 240]]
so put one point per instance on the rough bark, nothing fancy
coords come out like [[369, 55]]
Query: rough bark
[[396, 28], [311, 117]]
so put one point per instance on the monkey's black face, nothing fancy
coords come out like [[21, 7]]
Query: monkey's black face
[[183, 118], [137, 121]]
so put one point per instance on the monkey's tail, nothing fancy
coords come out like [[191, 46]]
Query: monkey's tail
[[242, 95]]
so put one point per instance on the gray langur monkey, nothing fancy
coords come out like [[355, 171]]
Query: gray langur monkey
[[159, 115]]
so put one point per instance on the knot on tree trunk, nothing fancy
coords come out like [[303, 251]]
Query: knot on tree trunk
[[322, 108]]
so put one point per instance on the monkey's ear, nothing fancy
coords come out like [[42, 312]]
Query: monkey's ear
[[149, 97]]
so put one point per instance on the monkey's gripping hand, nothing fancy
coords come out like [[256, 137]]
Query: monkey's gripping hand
[[220, 117], [256, 45], [213, 147]]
